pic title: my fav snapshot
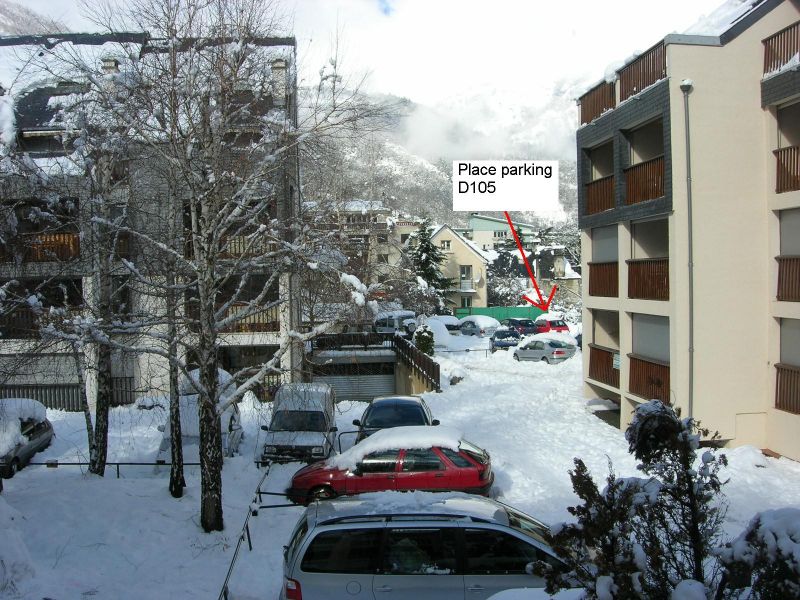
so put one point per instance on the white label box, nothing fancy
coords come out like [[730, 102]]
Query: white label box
[[519, 185]]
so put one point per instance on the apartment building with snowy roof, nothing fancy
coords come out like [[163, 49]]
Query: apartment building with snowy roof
[[689, 207]]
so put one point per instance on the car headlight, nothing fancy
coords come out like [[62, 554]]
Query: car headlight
[[270, 449], [317, 450]]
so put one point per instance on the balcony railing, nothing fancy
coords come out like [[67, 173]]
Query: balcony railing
[[600, 195], [601, 365], [788, 278], [648, 278], [644, 181], [604, 279], [644, 71], [787, 388], [45, 247], [244, 246], [467, 285], [649, 378], [597, 101], [20, 323], [263, 321], [781, 47], [787, 177]]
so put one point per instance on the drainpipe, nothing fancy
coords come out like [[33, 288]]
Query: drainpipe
[[686, 87]]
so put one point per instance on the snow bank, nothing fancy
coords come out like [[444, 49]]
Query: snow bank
[[778, 530], [12, 410], [689, 589], [419, 436], [188, 386], [441, 335], [16, 566]]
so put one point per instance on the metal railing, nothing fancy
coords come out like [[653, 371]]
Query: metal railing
[[644, 181], [600, 195], [467, 285], [781, 47], [596, 101], [55, 463], [45, 247]]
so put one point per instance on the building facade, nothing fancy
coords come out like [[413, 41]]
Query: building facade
[[689, 206], [465, 265]]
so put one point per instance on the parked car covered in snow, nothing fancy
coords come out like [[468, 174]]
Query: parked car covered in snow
[[24, 431], [549, 348], [480, 325], [452, 323], [550, 322], [230, 419], [424, 546], [522, 326], [385, 412], [303, 423], [401, 458], [505, 338], [393, 321]]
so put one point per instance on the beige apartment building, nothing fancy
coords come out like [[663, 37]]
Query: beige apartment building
[[689, 206], [465, 266]]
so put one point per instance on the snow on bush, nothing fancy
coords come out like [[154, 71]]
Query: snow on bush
[[12, 411], [15, 563], [359, 289], [424, 339], [414, 437], [766, 555]]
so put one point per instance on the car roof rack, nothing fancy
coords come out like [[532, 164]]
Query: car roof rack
[[426, 516]]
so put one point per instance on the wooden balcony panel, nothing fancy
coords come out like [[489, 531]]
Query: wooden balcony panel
[[604, 279], [788, 278], [265, 321], [787, 388], [643, 72], [787, 177], [45, 247], [781, 47], [600, 195], [648, 278], [649, 378], [20, 323], [644, 181], [597, 101], [601, 365]]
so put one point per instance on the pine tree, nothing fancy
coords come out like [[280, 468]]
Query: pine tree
[[423, 339], [427, 259]]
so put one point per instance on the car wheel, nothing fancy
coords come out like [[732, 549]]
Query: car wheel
[[516, 357], [13, 468], [322, 492], [545, 359]]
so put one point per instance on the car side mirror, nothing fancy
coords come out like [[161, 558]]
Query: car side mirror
[[435, 422], [265, 428], [357, 472], [333, 429], [356, 422]]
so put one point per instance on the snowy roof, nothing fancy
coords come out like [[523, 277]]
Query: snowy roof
[[363, 206], [498, 220], [399, 314], [469, 244], [418, 436], [722, 18]]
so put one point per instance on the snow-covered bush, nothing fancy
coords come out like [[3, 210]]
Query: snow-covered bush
[[423, 339], [765, 558]]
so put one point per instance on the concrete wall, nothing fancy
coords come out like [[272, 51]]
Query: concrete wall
[[407, 382]]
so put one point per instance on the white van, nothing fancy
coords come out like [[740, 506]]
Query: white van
[[402, 321], [303, 424]]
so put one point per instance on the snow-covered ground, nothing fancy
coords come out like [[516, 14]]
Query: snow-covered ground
[[127, 538]]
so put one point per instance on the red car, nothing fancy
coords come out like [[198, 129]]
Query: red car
[[380, 463], [548, 323]]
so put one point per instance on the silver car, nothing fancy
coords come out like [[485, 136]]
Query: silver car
[[442, 547], [546, 350], [23, 419]]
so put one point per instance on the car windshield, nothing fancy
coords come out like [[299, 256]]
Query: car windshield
[[478, 454], [523, 323], [297, 420], [526, 525], [394, 415], [557, 324], [558, 344], [501, 335]]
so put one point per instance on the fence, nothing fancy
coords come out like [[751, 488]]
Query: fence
[[501, 312], [418, 361], [66, 396]]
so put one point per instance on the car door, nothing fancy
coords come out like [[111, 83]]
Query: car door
[[419, 563], [497, 561], [537, 350], [339, 564], [424, 470], [467, 328], [377, 472]]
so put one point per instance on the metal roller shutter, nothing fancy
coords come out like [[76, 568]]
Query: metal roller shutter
[[359, 387]]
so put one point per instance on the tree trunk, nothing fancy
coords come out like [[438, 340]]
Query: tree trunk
[[77, 354], [104, 396], [210, 442], [176, 479]]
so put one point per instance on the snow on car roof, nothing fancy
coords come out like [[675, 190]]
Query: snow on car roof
[[302, 396], [416, 436], [551, 316], [481, 320], [414, 502], [22, 408], [391, 314], [446, 319], [558, 336]]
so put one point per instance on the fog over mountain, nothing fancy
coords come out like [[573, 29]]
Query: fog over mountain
[[15, 19]]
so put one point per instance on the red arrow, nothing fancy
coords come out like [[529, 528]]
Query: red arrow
[[541, 304]]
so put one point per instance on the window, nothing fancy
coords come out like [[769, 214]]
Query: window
[[420, 552], [651, 337], [379, 462], [604, 244], [342, 552], [421, 460], [501, 234], [383, 259], [455, 458], [492, 552], [445, 244], [404, 237], [538, 345], [466, 302]]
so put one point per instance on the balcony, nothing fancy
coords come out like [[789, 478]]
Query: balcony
[[18, 324], [787, 178], [643, 72], [649, 378], [648, 278], [600, 195], [45, 247], [644, 181], [604, 279], [245, 246], [467, 285], [788, 278], [597, 101], [787, 388], [263, 321], [780, 48], [601, 365]]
